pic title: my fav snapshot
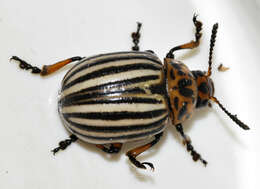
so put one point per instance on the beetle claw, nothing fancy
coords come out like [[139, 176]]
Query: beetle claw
[[55, 150], [149, 164]]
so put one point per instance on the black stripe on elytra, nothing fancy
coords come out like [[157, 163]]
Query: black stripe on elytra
[[115, 100], [120, 83], [92, 95], [111, 59], [203, 88], [116, 115], [109, 71], [116, 129], [121, 137], [180, 73]]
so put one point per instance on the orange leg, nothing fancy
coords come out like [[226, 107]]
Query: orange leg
[[46, 69], [192, 44], [114, 148], [132, 154]]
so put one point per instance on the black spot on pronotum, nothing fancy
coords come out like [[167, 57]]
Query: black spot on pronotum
[[203, 88], [186, 92], [180, 73], [176, 103], [183, 110], [176, 66], [184, 83], [172, 75]]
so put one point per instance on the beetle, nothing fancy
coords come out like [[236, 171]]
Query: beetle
[[114, 98]]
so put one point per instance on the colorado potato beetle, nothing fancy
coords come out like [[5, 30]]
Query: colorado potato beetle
[[114, 98]]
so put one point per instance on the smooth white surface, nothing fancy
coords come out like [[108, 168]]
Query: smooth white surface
[[43, 32]]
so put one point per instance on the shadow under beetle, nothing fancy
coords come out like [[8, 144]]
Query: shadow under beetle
[[110, 99]]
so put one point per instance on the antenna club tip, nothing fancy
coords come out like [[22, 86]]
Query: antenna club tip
[[215, 25], [246, 127]]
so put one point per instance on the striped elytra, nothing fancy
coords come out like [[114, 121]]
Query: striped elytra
[[117, 97]]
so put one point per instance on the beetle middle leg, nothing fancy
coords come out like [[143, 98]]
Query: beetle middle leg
[[65, 143], [192, 44], [136, 37], [46, 69], [132, 154], [195, 156], [114, 148]]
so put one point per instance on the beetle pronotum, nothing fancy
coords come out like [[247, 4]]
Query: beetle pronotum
[[113, 98]]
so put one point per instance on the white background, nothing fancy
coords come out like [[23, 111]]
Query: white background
[[43, 32]]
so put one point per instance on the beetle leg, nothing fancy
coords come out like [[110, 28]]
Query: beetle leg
[[136, 37], [192, 44], [65, 143], [195, 156], [132, 154], [114, 148], [46, 69]]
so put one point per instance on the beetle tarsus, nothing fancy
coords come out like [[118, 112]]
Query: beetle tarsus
[[138, 164], [132, 154], [64, 144], [192, 44], [136, 37], [25, 66], [113, 148], [186, 140]]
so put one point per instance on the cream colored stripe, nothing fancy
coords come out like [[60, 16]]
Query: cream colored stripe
[[115, 134], [90, 60], [109, 78], [114, 122], [107, 65], [138, 107]]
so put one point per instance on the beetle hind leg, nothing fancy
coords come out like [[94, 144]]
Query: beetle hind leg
[[136, 37], [195, 156], [192, 44], [132, 154], [113, 148], [46, 69], [25, 66]]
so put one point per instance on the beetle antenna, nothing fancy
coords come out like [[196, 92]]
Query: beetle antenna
[[233, 117], [212, 44]]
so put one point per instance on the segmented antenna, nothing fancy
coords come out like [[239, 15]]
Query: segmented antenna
[[233, 117], [212, 43]]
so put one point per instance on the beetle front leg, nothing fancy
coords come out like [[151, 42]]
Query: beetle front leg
[[65, 143], [136, 37], [195, 156], [132, 154], [192, 44], [46, 69], [114, 148]]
